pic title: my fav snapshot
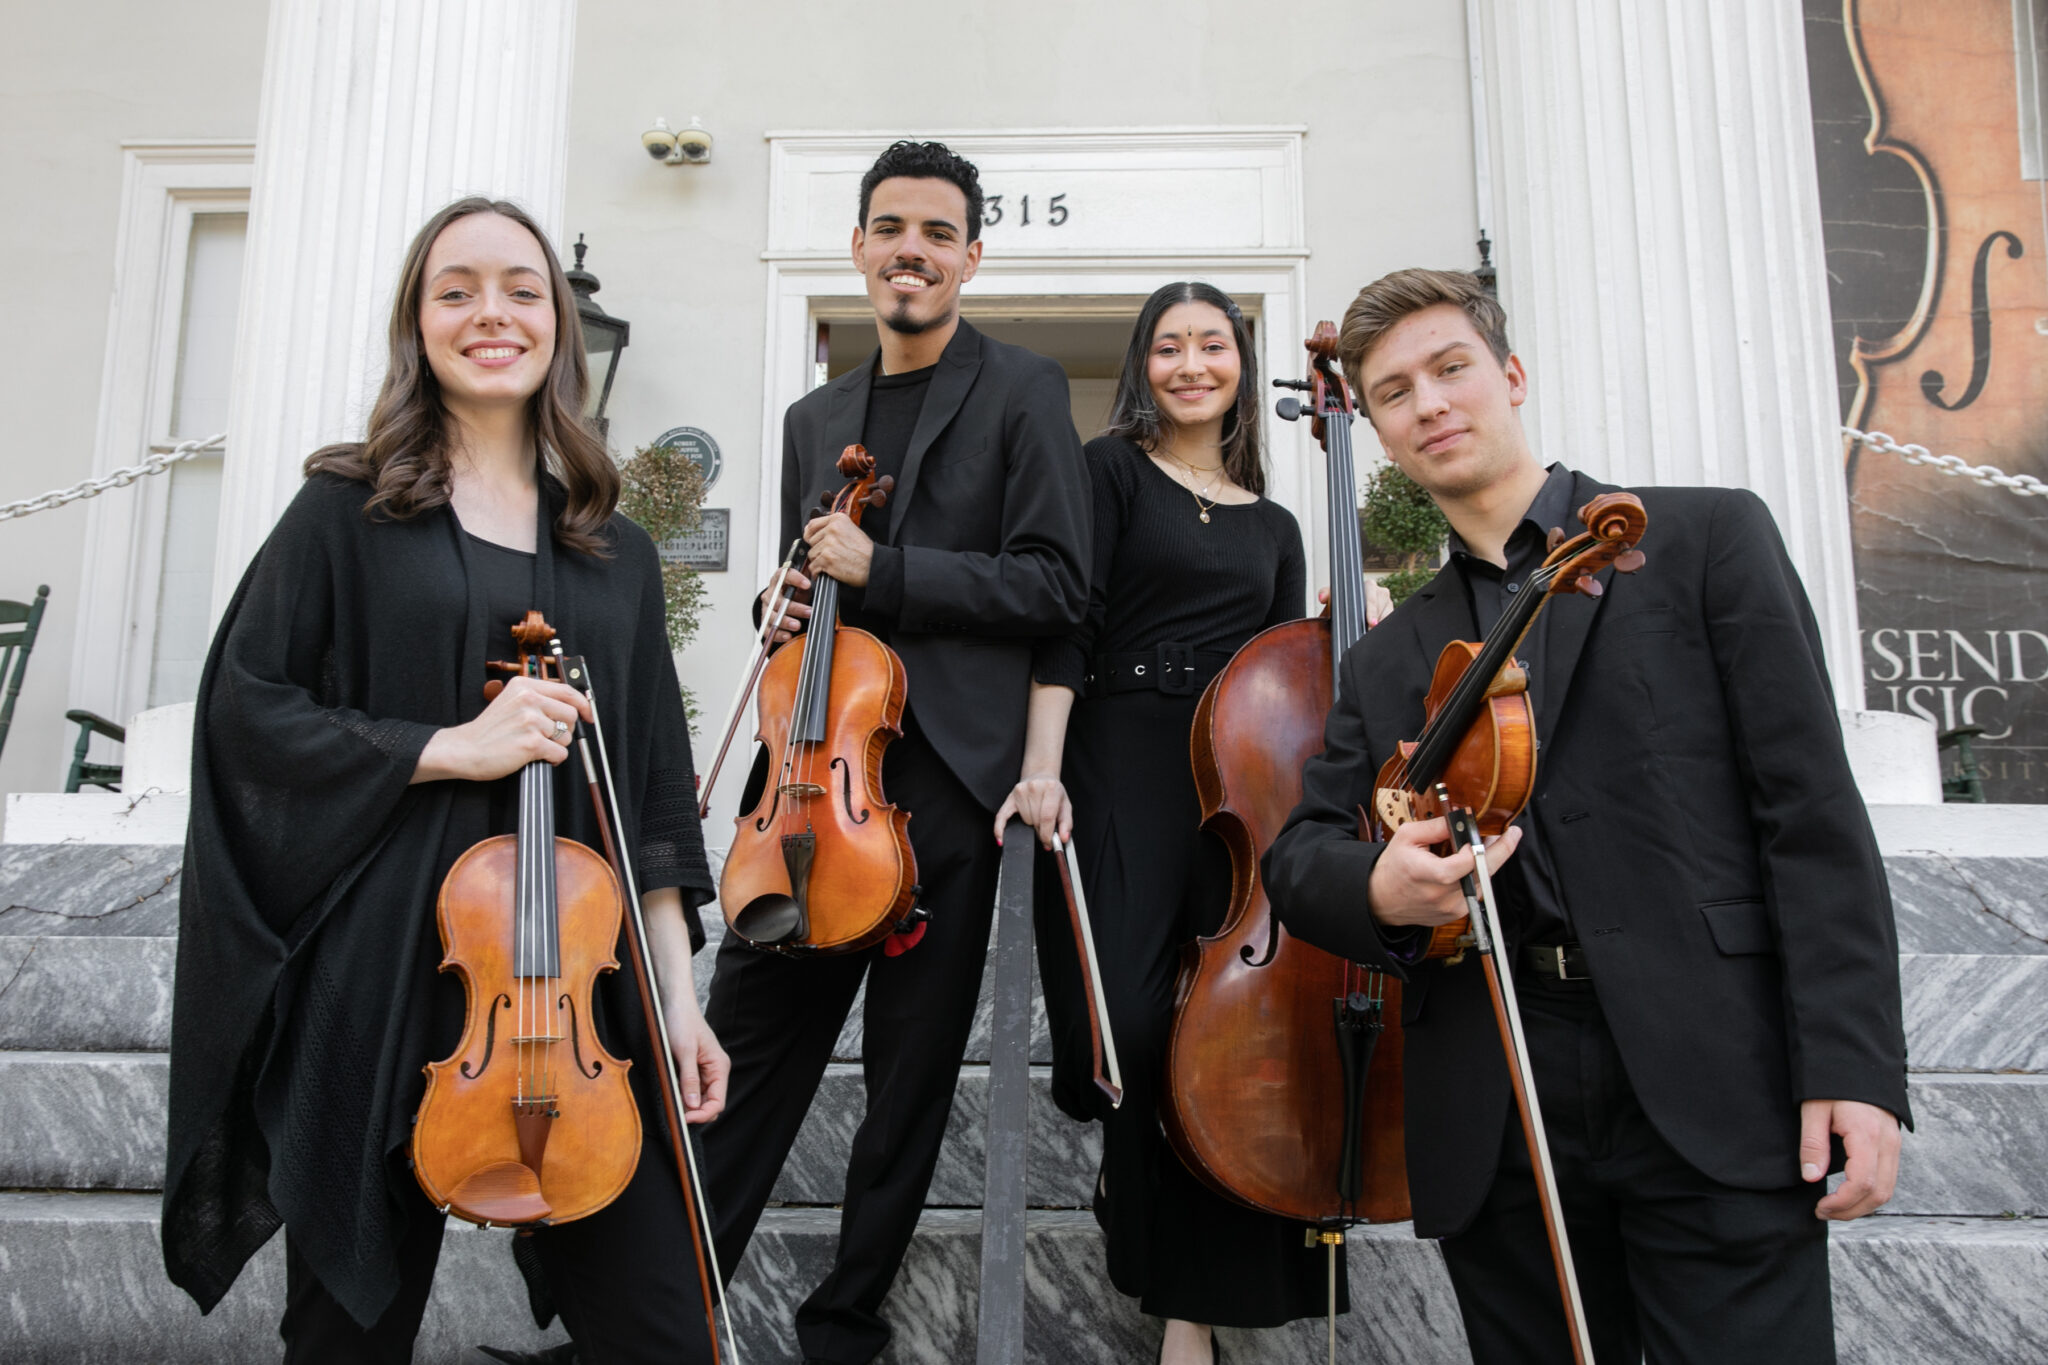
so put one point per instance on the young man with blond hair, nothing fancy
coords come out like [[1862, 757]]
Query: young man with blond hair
[[1696, 913]]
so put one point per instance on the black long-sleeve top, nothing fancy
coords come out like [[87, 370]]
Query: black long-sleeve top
[[1163, 575]]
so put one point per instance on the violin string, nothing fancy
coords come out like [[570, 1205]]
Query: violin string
[[1440, 737]]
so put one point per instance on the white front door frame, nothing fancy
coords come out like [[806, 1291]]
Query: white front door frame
[[1256, 170]]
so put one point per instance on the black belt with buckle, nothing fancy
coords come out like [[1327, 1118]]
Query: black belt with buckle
[[1556, 961], [1178, 670]]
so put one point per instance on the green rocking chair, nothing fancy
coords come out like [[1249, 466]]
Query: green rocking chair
[[19, 622]]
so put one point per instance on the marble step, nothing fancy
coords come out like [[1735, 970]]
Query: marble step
[[85, 1284], [112, 993], [1944, 904], [83, 1121]]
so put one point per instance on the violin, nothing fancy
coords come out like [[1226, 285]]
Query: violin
[[546, 1130], [1477, 748], [1475, 765], [1272, 1098], [530, 1120], [823, 863]]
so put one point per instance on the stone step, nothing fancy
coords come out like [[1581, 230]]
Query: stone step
[[85, 1121], [85, 1284], [112, 993]]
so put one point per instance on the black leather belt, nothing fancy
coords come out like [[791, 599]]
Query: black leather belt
[[1557, 961], [1176, 669]]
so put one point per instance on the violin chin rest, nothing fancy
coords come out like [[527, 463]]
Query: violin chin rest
[[770, 920], [502, 1192]]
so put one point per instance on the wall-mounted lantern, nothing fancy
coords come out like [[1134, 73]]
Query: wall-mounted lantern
[[604, 337]]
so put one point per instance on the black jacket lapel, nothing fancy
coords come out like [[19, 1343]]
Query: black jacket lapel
[[958, 365], [1565, 624], [844, 420]]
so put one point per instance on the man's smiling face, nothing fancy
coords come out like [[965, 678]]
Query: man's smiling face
[[914, 253]]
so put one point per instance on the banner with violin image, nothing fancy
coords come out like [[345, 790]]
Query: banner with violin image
[[1929, 131]]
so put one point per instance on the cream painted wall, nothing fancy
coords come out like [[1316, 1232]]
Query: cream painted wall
[[1388, 178], [75, 81]]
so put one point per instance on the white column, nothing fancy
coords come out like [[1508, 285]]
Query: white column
[[1661, 261], [375, 113]]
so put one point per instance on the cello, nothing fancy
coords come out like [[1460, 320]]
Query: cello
[[823, 863], [1267, 1028]]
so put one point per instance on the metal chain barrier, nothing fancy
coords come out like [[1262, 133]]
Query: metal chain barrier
[[160, 458], [2026, 485]]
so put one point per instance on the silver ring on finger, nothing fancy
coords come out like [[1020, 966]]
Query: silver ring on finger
[[561, 728]]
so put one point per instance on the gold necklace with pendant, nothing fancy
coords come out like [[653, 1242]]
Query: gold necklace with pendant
[[1200, 506]]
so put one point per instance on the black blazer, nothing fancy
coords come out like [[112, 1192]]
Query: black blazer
[[1715, 856], [988, 539]]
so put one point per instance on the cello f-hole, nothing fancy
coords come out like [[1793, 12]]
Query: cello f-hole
[[846, 791], [1272, 945], [503, 1002]]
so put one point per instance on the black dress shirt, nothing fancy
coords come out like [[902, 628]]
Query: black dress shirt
[[1532, 906], [895, 402]]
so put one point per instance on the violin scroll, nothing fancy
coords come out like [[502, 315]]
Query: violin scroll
[[1614, 523]]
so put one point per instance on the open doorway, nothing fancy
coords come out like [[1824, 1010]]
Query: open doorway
[[1086, 336]]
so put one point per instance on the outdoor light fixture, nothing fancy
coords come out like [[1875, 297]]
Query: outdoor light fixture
[[689, 146], [604, 336]]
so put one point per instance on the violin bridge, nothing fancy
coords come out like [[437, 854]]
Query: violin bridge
[[539, 1038], [1395, 807], [804, 789]]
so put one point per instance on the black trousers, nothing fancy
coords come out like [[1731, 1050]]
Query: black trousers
[[623, 1280], [1674, 1268], [778, 1018]]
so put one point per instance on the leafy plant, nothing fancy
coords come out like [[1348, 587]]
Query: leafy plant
[[663, 491], [1395, 516]]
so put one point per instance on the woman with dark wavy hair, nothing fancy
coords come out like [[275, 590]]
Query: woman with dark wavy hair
[[344, 756], [1190, 562]]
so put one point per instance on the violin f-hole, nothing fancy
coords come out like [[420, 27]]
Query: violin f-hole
[[576, 1038], [503, 1002], [846, 790]]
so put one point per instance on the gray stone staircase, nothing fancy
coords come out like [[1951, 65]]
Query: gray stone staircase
[[1956, 1270]]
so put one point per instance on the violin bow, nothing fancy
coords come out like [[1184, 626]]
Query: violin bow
[[576, 672], [755, 663], [1507, 1014], [1100, 1037]]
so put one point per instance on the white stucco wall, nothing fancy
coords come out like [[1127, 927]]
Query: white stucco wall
[[76, 80], [1382, 88]]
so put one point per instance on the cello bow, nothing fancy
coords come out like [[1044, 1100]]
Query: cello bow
[[1108, 1076], [576, 672]]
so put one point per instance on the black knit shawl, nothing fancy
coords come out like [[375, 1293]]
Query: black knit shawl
[[307, 994]]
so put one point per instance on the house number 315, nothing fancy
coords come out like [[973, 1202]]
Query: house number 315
[[1055, 211]]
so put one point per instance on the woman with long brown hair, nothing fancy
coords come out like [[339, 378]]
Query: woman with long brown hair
[[344, 756]]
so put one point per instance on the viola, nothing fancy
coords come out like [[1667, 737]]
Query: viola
[[823, 863], [530, 1120], [1272, 1095]]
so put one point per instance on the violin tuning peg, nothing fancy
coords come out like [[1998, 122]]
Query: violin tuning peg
[[887, 483], [1628, 561], [493, 688], [1289, 408], [1591, 587], [1555, 539]]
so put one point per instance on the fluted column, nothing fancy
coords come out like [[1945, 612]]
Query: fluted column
[[1661, 260], [375, 113]]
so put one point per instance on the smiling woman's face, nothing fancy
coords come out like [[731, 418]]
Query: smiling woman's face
[[1193, 365], [487, 317]]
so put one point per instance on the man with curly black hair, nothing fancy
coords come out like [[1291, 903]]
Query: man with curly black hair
[[979, 559]]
